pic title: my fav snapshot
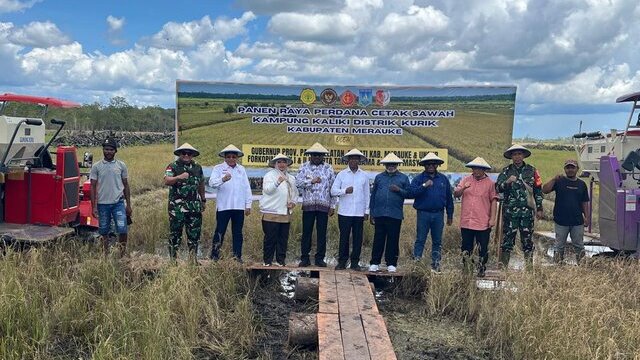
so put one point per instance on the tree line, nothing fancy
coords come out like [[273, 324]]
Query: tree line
[[118, 115]]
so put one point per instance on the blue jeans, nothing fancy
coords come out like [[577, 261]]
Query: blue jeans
[[117, 212], [434, 222]]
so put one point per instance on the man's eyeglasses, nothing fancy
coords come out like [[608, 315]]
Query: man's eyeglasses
[[186, 153]]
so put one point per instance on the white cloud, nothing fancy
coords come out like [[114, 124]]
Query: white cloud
[[7, 6], [38, 34], [189, 34], [114, 31], [322, 28], [279, 6]]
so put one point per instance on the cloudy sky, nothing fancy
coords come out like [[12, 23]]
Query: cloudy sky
[[569, 58]]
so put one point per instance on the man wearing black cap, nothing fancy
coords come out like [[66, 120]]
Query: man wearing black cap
[[570, 211], [109, 191]]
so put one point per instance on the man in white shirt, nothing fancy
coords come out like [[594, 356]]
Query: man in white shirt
[[352, 187], [233, 201]]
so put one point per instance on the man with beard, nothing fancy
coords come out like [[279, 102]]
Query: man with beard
[[109, 191], [186, 200], [315, 178], [570, 211]]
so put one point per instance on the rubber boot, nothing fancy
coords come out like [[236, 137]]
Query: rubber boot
[[504, 259], [528, 260], [579, 256], [558, 256]]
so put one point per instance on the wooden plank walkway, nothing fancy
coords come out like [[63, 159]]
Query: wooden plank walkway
[[295, 267], [349, 324]]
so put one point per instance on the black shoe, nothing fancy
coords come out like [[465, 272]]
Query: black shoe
[[304, 263], [341, 266], [481, 273], [355, 267], [321, 263]]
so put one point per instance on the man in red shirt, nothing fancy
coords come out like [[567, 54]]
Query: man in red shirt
[[478, 213]]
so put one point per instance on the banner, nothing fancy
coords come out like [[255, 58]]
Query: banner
[[259, 155], [459, 123]]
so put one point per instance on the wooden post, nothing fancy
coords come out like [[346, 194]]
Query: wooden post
[[303, 329], [306, 289]]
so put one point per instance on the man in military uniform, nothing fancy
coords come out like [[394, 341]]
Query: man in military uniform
[[516, 182], [186, 199]]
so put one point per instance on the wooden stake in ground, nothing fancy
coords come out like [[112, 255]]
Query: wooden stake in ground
[[497, 234], [303, 329]]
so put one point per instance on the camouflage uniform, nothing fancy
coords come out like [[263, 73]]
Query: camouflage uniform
[[185, 206], [516, 214]]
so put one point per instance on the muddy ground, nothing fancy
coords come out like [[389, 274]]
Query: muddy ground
[[415, 336]]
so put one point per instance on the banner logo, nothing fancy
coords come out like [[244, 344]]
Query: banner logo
[[383, 97], [365, 97], [308, 96], [329, 96], [347, 98]]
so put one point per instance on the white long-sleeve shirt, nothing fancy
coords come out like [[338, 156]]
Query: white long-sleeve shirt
[[233, 194], [276, 196], [356, 203]]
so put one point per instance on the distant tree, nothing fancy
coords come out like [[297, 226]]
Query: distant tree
[[229, 109]]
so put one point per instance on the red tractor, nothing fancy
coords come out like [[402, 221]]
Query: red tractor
[[40, 200]]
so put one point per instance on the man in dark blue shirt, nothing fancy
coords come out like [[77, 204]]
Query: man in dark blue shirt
[[432, 193], [386, 208]]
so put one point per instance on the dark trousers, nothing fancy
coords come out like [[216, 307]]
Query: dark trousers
[[222, 221], [276, 237], [308, 219], [386, 239], [350, 225], [469, 238]]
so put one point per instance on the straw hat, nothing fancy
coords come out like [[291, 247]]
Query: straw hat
[[186, 146], [280, 156], [478, 163], [515, 147], [431, 157], [354, 152], [391, 158], [316, 148], [230, 149]]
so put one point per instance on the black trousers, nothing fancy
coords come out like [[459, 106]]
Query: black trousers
[[386, 239], [308, 219], [222, 221], [276, 237], [470, 237], [350, 225]]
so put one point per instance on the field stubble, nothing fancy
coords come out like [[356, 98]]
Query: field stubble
[[70, 302]]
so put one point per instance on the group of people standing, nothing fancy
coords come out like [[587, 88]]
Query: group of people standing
[[357, 201]]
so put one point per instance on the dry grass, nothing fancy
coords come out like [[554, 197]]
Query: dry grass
[[69, 302]]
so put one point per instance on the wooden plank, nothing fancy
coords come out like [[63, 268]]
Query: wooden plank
[[378, 341], [364, 296], [347, 303], [354, 341], [328, 293], [33, 234], [329, 338]]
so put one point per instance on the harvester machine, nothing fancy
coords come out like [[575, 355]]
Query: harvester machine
[[40, 199], [613, 161]]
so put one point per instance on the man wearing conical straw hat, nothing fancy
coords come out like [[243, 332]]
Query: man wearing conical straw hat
[[521, 187], [352, 187], [315, 178], [433, 195], [186, 199], [233, 200], [388, 192], [478, 212], [279, 197]]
